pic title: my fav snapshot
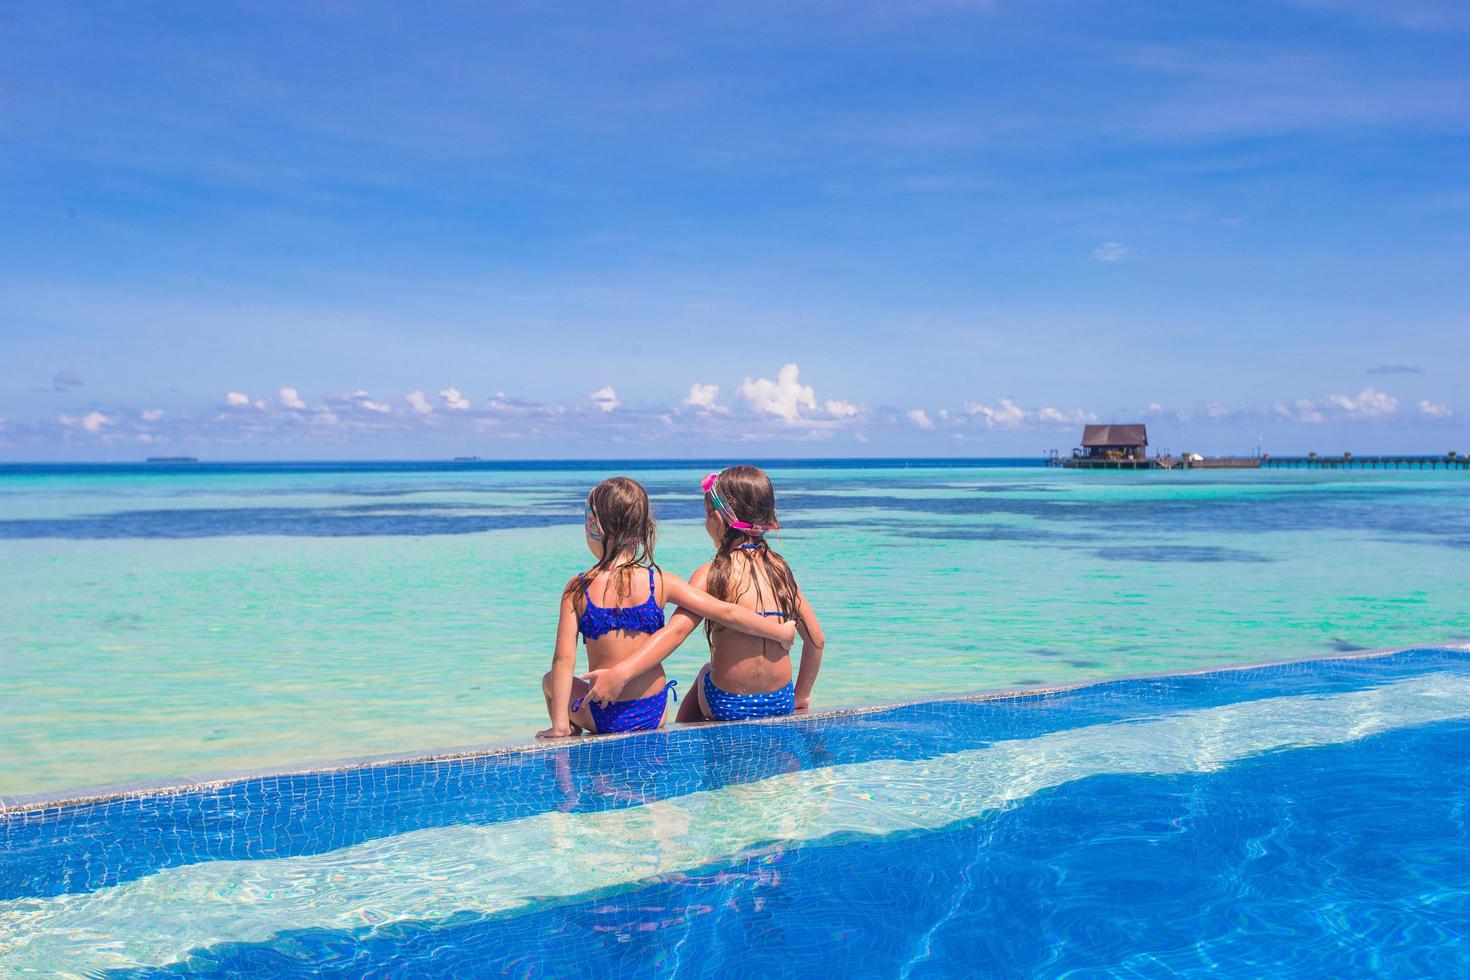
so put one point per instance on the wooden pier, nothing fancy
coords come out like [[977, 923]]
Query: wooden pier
[[1125, 447], [1155, 462], [1447, 462], [1347, 461]]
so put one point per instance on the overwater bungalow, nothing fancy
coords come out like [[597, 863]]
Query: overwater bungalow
[[1112, 447]]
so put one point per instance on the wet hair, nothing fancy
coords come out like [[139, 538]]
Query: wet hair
[[748, 492], [623, 514]]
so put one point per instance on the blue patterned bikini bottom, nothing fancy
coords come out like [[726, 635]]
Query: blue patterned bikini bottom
[[729, 706], [638, 715]]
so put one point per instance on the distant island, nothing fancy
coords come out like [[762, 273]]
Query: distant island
[[172, 459], [466, 459]]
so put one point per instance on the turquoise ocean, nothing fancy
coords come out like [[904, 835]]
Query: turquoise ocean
[[179, 621]]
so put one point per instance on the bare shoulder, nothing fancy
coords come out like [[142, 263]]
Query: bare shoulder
[[699, 576], [576, 588]]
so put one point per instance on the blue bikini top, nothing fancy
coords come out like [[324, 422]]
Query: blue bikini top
[[646, 617]]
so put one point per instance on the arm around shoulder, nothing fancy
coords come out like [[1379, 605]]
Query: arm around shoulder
[[728, 614]]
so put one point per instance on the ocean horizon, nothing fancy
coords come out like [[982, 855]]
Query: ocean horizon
[[570, 463]]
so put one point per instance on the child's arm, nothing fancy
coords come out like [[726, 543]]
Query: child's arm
[[813, 640], [563, 666], [727, 614], [608, 683]]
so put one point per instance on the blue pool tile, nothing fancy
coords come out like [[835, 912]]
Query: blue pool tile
[[88, 846], [1345, 860]]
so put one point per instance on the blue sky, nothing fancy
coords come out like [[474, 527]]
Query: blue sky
[[521, 230]]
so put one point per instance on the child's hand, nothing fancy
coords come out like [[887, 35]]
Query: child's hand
[[555, 732], [788, 636], [605, 685], [803, 704]]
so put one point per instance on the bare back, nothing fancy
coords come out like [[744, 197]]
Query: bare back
[[741, 663], [614, 647]]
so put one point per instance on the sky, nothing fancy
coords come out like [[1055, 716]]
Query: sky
[[870, 227]]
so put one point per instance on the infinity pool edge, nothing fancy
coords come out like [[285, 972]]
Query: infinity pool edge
[[169, 785]]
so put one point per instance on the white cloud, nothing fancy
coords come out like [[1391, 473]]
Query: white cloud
[[702, 397], [359, 399], [1307, 411], [780, 408], [1367, 403], [1370, 403], [501, 402], [1111, 251], [1008, 416], [91, 422], [784, 397], [604, 398], [453, 400]]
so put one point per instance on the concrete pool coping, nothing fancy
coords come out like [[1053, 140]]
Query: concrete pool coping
[[32, 803]]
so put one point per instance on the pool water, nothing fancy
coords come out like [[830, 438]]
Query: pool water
[[1305, 819]]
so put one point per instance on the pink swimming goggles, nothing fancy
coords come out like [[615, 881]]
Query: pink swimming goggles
[[726, 512]]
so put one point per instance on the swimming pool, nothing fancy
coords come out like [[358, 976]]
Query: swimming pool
[[1305, 819]]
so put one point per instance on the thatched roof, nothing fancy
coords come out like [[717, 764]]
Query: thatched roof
[[1115, 435]]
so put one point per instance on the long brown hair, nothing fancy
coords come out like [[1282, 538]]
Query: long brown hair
[[620, 507], [748, 492]]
